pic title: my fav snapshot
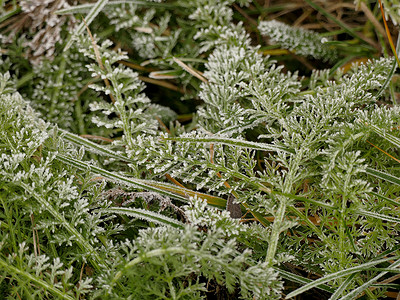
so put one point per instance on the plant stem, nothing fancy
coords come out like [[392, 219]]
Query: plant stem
[[283, 202], [273, 243]]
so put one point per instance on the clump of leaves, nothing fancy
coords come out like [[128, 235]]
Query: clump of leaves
[[93, 216]]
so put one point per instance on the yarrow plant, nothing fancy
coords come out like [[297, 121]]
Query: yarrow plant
[[162, 154], [301, 41]]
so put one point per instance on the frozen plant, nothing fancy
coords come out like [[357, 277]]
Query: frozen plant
[[112, 188], [300, 41]]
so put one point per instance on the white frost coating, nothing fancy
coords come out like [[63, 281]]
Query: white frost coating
[[301, 41]]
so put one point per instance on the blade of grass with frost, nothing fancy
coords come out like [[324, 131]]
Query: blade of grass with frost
[[93, 147], [339, 291], [139, 183], [302, 280], [96, 9], [337, 275], [231, 142], [389, 270], [388, 252], [391, 201], [378, 216], [383, 176], [96, 148], [387, 136], [367, 284], [172, 191], [84, 8], [34, 279], [146, 215]]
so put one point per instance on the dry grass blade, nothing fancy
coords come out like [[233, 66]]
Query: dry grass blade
[[389, 36], [96, 137], [162, 83], [391, 156], [368, 13], [174, 180], [135, 66], [190, 70]]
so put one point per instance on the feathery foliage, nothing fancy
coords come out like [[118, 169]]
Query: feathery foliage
[[91, 130]]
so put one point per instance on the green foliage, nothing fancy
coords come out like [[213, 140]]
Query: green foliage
[[301, 41], [95, 218]]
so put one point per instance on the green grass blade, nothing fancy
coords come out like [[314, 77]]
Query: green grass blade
[[96, 9], [231, 142], [389, 270], [378, 216], [337, 275], [387, 286], [96, 148], [340, 63], [367, 284], [391, 201], [172, 191], [145, 215], [383, 176], [93, 147], [388, 252], [138, 183], [387, 136], [342, 287], [169, 190], [260, 218], [302, 280]]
